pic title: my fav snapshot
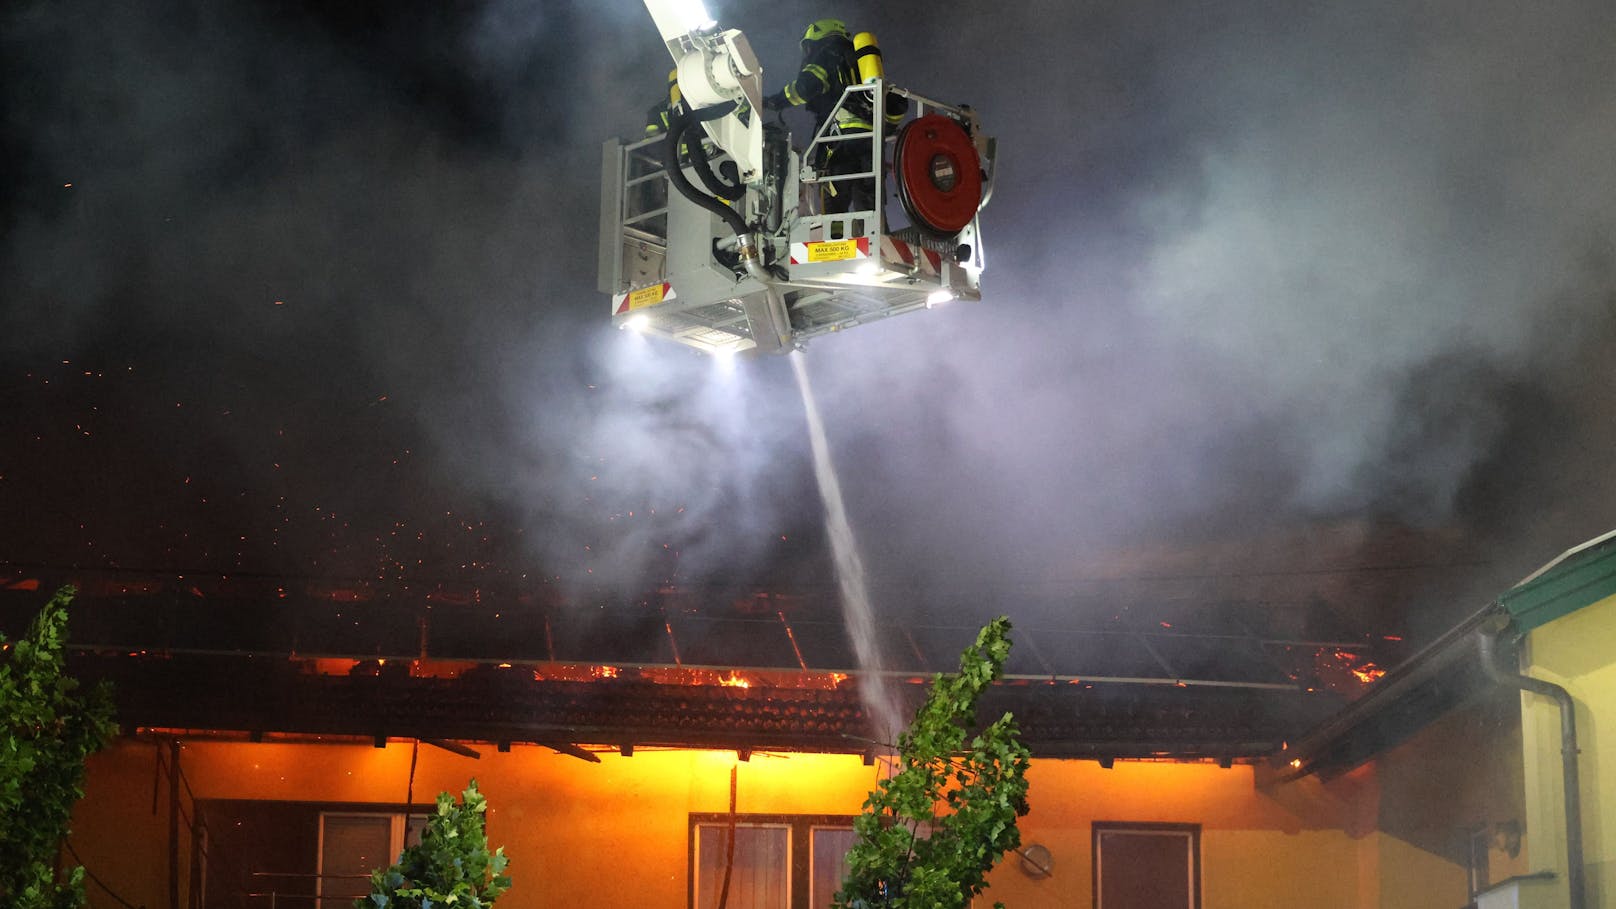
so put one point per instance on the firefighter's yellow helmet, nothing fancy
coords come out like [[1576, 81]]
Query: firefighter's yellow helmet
[[824, 28]]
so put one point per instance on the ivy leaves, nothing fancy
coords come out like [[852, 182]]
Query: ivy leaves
[[47, 730], [930, 833], [450, 867]]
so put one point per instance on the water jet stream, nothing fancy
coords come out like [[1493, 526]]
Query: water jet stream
[[874, 686]]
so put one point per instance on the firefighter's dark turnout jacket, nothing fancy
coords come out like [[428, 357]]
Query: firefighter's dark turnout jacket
[[829, 66]]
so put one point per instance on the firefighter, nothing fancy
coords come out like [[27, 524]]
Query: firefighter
[[653, 194], [656, 119], [829, 65]]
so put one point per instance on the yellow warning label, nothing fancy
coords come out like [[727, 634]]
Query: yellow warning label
[[646, 296], [832, 250]]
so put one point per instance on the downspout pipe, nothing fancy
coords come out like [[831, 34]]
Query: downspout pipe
[[1487, 645]]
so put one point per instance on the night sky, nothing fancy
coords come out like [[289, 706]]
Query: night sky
[[307, 290]]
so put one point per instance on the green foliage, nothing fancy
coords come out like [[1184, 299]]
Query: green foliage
[[930, 833], [451, 867], [46, 732]]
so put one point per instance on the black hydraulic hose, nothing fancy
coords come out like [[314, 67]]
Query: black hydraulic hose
[[1487, 644], [717, 185], [679, 121]]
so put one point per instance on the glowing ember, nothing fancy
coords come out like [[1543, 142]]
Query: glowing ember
[[1356, 667], [1368, 672], [680, 675]]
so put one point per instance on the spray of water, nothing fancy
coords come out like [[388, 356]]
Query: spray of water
[[874, 686]]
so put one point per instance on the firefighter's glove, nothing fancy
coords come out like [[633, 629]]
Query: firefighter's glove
[[776, 101]]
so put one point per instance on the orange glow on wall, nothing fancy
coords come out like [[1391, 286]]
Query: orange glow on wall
[[568, 824]]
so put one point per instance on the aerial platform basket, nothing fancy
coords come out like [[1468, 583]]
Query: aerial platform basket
[[673, 269]]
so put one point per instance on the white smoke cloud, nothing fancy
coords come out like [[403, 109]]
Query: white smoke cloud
[[1247, 267]]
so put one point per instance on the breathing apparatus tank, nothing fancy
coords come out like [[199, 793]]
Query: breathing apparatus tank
[[868, 53]]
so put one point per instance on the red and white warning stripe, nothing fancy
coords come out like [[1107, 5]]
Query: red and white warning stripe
[[830, 251], [642, 297], [931, 263]]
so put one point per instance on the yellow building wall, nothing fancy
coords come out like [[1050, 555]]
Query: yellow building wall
[[1578, 652], [1408, 877], [602, 835], [614, 834], [1257, 850], [118, 834], [1459, 773]]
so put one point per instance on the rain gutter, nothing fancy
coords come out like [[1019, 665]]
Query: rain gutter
[[1329, 747], [1487, 647]]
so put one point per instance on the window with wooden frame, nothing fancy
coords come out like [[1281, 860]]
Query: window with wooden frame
[[779, 861], [1147, 866], [260, 852], [355, 843]]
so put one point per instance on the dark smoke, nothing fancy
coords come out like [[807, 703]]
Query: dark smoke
[[1255, 267], [1254, 270]]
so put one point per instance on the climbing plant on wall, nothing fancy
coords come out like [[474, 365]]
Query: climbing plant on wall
[[929, 833], [450, 868], [47, 729]]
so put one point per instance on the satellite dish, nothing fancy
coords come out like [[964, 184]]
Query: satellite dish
[[1036, 862]]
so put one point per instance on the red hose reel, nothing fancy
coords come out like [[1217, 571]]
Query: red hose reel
[[939, 174]]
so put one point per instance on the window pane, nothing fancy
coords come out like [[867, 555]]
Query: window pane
[[1145, 869], [761, 876], [351, 847], [414, 825], [830, 845]]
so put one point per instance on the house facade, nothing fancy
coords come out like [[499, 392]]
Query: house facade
[[279, 779], [1565, 618], [279, 826]]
